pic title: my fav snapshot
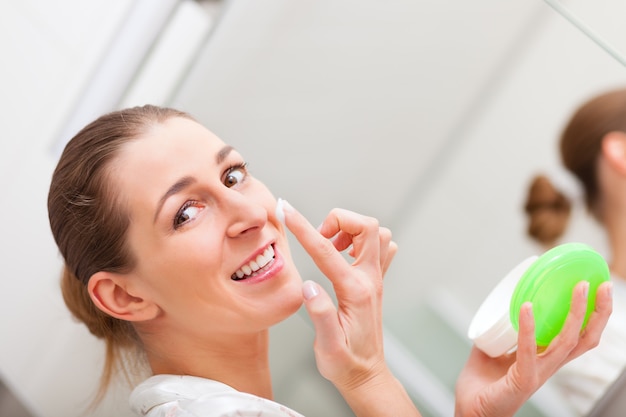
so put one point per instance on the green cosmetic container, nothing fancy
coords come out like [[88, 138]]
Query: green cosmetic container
[[547, 282]]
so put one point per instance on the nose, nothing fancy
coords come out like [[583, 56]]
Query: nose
[[245, 214]]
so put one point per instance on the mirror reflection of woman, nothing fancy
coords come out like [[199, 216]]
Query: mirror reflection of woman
[[175, 254], [593, 149]]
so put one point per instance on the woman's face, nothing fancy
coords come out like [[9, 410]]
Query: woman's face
[[210, 251]]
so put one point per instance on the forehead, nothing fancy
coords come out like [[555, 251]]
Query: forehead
[[164, 153], [169, 143], [174, 132]]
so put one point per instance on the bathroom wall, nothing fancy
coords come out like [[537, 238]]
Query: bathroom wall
[[431, 116]]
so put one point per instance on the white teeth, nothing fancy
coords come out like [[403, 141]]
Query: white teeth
[[258, 263]]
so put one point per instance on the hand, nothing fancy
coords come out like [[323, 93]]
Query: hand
[[498, 387], [349, 337]]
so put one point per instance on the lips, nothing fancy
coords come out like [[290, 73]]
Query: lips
[[262, 261]]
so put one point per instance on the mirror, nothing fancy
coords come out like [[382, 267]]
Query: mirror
[[431, 116], [589, 24]]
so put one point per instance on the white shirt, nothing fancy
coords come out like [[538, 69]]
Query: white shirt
[[582, 381], [190, 396]]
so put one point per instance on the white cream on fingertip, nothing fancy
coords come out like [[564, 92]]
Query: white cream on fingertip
[[280, 210]]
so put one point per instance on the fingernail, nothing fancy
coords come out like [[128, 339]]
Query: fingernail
[[586, 289], [529, 312], [309, 290]]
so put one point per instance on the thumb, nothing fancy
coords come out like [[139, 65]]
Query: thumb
[[323, 314]]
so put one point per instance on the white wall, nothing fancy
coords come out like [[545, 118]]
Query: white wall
[[47, 58], [51, 51], [429, 115]]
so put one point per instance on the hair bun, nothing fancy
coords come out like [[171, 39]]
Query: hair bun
[[548, 211]]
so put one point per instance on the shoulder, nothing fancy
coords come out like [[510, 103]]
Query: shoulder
[[188, 396]]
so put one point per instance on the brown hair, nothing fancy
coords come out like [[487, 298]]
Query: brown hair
[[548, 210], [580, 146], [89, 224]]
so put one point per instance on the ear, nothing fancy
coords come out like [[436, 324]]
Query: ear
[[614, 150], [108, 291]]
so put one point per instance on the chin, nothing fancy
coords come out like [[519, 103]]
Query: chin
[[288, 312], [291, 298]]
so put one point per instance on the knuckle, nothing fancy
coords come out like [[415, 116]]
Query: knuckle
[[371, 223], [385, 233], [325, 248], [590, 340], [367, 291], [593, 343], [570, 342], [336, 212]]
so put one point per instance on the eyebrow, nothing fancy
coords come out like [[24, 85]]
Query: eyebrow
[[223, 153], [177, 187], [186, 181]]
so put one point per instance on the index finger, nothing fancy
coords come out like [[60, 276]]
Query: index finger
[[321, 250]]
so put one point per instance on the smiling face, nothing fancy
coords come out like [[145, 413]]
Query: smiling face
[[209, 251]]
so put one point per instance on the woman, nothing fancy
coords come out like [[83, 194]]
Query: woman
[[593, 149], [174, 250]]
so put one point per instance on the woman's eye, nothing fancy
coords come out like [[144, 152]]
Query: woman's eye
[[235, 175], [187, 213]]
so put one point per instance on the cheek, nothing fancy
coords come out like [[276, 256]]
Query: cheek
[[184, 286], [189, 260], [197, 254]]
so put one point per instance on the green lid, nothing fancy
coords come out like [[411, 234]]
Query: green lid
[[549, 282]]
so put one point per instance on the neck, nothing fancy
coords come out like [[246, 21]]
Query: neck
[[240, 361], [615, 226]]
